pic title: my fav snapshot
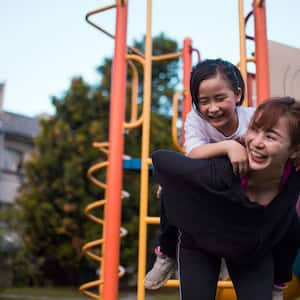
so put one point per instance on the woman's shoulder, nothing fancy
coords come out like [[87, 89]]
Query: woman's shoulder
[[215, 171]]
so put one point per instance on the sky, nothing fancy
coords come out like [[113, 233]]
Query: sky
[[45, 43]]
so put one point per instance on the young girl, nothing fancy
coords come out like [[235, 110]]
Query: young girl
[[251, 222], [216, 120]]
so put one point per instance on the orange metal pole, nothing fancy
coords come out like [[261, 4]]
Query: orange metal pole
[[261, 52], [187, 67], [114, 171]]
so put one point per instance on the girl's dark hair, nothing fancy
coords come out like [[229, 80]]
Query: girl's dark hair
[[270, 111], [209, 68]]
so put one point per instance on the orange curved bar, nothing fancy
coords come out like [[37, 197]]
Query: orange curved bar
[[102, 9], [134, 91], [96, 11], [115, 157], [166, 56], [261, 52]]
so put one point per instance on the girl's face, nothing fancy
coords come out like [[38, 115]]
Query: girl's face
[[217, 103], [268, 148]]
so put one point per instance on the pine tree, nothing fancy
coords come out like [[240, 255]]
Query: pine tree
[[56, 189]]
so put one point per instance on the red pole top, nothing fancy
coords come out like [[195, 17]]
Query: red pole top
[[261, 52], [187, 67]]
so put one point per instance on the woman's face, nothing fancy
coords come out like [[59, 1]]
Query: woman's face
[[268, 148]]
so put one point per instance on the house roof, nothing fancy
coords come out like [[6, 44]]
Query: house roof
[[20, 125]]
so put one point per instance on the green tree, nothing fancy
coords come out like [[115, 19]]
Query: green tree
[[56, 190]]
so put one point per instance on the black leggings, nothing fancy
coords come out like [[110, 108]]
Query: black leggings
[[199, 272], [168, 233]]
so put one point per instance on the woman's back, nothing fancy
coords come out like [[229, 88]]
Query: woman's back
[[206, 201]]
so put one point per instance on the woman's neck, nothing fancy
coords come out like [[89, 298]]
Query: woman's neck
[[258, 179], [264, 185]]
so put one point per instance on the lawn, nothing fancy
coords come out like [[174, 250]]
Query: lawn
[[73, 293]]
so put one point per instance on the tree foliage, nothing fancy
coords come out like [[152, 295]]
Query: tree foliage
[[56, 190]]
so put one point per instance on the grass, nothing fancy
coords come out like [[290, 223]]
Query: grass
[[62, 293], [49, 292]]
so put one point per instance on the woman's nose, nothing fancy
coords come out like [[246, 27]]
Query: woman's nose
[[258, 140]]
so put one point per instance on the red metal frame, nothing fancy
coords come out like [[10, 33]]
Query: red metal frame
[[114, 171], [261, 52], [187, 67]]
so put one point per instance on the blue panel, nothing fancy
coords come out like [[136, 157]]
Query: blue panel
[[133, 164]]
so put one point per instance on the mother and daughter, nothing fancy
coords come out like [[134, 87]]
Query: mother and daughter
[[250, 221]]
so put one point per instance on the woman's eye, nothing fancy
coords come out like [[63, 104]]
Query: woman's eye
[[253, 129], [220, 99], [271, 137]]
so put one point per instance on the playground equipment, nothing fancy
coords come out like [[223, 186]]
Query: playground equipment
[[108, 248]]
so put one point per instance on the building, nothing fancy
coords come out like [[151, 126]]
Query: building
[[16, 143]]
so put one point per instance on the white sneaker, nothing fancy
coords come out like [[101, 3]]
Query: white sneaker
[[277, 294], [163, 268]]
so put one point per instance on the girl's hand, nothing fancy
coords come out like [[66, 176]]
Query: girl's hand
[[295, 158], [158, 192], [238, 157]]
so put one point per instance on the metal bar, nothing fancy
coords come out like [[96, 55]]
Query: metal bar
[[261, 52], [166, 56], [243, 55], [145, 155], [174, 121], [96, 11], [152, 220], [187, 67], [115, 159]]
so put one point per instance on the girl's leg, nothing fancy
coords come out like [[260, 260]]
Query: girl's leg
[[168, 233], [253, 281], [198, 274]]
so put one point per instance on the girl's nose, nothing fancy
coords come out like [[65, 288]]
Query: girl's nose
[[213, 107]]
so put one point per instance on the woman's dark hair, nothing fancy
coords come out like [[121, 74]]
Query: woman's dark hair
[[209, 68], [271, 110]]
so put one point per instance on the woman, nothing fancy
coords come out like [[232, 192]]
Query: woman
[[245, 221]]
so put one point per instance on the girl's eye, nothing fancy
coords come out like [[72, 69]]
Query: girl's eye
[[220, 98], [203, 101]]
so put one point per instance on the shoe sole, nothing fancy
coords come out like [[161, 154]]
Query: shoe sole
[[160, 284]]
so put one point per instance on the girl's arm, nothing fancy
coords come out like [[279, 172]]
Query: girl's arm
[[197, 144], [232, 149]]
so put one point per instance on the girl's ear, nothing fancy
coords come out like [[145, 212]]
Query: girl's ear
[[238, 95]]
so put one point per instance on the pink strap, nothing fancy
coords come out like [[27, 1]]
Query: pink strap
[[286, 173]]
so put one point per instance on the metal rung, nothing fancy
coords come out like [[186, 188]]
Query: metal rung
[[152, 220], [221, 284]]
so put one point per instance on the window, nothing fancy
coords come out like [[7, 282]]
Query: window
[[12, 160]]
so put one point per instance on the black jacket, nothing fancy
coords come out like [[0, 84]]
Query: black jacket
[[205, 200]]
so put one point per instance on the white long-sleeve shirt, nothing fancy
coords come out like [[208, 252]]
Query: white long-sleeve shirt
[[199, 132]]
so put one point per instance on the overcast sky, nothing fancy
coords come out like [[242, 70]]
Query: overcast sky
[[44, 43]]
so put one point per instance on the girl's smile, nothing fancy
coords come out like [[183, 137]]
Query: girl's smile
[[217, 104]]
